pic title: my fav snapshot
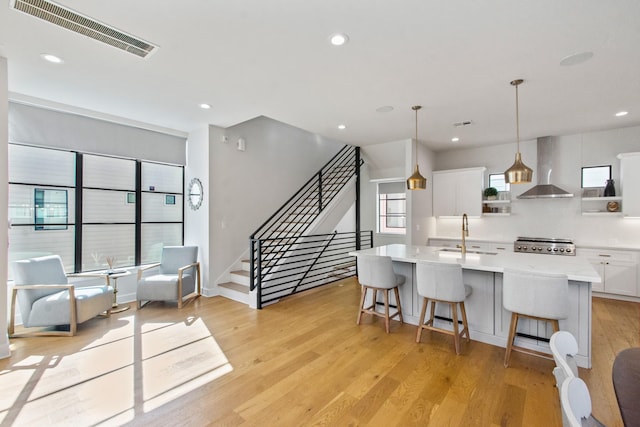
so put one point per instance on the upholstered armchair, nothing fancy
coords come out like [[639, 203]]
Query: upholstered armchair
[[46, 298], [177, 277]]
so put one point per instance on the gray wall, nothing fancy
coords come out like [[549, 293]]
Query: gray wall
[[248, 186]]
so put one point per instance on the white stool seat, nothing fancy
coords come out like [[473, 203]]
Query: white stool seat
[[438, 282], [376, 273], [537, 296]]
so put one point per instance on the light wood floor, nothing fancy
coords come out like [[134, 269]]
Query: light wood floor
[[300, 362]]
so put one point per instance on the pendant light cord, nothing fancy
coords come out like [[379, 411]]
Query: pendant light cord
[[517, 121], [416, 137]]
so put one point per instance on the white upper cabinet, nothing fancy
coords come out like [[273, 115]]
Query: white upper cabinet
[[630, 183], [458, 191]]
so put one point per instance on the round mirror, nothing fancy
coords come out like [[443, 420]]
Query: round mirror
[[194, 198]]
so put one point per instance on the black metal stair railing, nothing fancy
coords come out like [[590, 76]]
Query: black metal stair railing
[[275, 242], [316, 260]]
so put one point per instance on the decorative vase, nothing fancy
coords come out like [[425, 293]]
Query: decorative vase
[[610, 189]]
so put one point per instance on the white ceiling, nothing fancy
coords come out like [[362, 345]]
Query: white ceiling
[[255, 57]]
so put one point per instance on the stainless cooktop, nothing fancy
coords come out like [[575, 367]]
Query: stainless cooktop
[[544, 245]]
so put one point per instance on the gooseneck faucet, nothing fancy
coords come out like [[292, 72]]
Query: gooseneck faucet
[[465, 233]]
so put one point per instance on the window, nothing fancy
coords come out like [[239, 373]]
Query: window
[[392, 208], [51, 209], [44, 187], [595, 176], [496, 180]]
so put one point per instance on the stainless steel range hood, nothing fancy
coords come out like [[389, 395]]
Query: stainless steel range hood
[[544, 188]]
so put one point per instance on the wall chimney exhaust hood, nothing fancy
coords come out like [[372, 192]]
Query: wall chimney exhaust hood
[[544, 188]]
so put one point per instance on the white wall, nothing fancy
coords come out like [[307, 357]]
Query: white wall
[[420, 202], [246, 187], [4, 143], [550, 217], [396, 161], [196, 223]]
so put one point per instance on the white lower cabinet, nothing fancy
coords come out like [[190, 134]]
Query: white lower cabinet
[[617, 269], [472, 245]]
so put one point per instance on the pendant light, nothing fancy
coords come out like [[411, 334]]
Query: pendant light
[[416, 181], [518, 173]]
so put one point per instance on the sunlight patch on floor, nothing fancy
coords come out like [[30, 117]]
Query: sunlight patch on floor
[[105, 381]]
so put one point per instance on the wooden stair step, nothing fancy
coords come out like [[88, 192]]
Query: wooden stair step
[[235, 286], [241, 273]]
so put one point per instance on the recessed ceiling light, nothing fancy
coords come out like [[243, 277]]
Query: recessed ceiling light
[[342, 127], [384, 109], [621, 113], [338, 39], [455, 139], [51, 58], [205, 106], [576, 58]]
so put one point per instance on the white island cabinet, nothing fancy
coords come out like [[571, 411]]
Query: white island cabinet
[[488, 320]]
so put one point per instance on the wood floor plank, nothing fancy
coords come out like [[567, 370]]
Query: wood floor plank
[[300, 362]]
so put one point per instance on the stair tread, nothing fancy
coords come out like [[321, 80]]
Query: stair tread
[[241, 273], [235, 286]]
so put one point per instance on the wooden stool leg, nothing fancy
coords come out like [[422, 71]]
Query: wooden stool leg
[[386, 309], [423, 312], [395, 290], [456, 334], [465, 325], [362, 298], [433, 313], [512, 335]]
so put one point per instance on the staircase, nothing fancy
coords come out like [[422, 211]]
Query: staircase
[[285, 242], [237, 288]]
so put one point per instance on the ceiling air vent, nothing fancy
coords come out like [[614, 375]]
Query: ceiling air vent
[[86, 26]]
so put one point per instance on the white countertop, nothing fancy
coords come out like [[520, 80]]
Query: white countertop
[[579, 244], [576, 268]]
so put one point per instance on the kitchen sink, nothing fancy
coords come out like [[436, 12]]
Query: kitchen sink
[[468, 251]]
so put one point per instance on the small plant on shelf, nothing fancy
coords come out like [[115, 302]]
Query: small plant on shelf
[[490, 193]]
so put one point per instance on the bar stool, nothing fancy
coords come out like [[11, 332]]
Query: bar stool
[[564, 348], [376, 273], [536, 296], [438, 282]]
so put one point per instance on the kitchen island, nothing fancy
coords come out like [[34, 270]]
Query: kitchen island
[[482, 270]]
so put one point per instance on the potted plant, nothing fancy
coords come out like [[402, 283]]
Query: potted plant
[[490, 193]]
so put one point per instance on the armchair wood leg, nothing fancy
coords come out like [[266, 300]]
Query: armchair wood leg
[[12, 319]]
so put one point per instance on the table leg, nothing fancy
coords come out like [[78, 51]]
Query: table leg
[[115, 308]]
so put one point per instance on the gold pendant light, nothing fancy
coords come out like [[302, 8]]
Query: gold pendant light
[[416, 181], [518, 173]]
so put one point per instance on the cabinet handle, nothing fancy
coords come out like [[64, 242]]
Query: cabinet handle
[[605, 255], [501, 249], [475, 246]]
